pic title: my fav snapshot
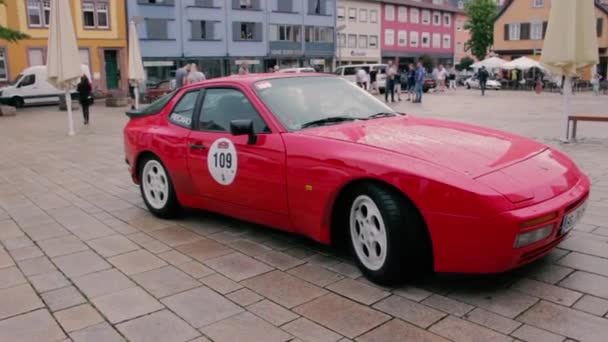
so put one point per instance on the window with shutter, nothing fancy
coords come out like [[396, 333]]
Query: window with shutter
[[544, 29], [525, 31], [157, 28], [506, 32]]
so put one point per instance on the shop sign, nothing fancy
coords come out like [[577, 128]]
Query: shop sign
[[317, 61], [157, 63], [248, 61], [358, 53], [285, 52]]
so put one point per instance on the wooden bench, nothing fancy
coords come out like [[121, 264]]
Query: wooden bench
[[574, 119]]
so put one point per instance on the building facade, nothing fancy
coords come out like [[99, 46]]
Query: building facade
[[521, 25], [100, 27], [220, 34], [411, 29], [358, 32], [461, 35]]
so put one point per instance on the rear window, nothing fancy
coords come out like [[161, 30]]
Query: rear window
[[156, 106]]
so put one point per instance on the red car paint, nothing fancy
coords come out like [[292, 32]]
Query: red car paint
[[473, 186]]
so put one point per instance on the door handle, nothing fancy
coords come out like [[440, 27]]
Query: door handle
[[197, 146]]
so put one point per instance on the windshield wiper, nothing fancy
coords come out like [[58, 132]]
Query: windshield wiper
[[382, 115], [333, 119]]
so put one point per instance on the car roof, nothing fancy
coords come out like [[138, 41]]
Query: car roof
[[249, 79]]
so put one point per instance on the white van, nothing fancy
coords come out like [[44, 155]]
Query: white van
[[349, 72], [31, 87]]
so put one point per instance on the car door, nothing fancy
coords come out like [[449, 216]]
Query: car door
[[233, 169], [27, 89]]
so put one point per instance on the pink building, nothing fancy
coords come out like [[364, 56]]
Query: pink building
[[412, 28]]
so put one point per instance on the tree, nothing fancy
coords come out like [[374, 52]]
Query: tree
[[8, 34], [465, 63], [482, 14], [427, 62]]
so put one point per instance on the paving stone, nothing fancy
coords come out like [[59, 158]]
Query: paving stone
[[413, 293], [36, 266], [244, 297], [493, 321], [204, 250], [567, 322], [78, 317], [102, 332], [16, 243], [81, 263], [448, 305], [220, 283], [196, 269], [103, 283], [315, 274], [283, 288], [11, 276], [459, 330], [244, 327], [592, 305], [62, 298], [9, 230], [26, 253], [397, 331], [160, 326], [585, 262], [533, 334], [586, 245], [126, 304], [346, 269], [358, 291], [33, 326], [238, 266], [112, 245], [280, 260], [165, 281], [272, 312], [310, 331], [587, 283], [409, 311], [175, 236], [342, 315], [250, 248], [174, 257], [136, 262], [49, 281], [46, 231], [548, 292], [201, 306], [17, 300], [508, 303], [551, 273], [5, 259], [62, 246]]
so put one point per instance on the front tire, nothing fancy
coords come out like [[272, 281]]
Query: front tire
[[157, 189], [17, 102], [387, 235], [468, 86]]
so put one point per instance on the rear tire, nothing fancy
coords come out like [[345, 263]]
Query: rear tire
[[157, 189], [468, 86], [17, 102], [386, 234]]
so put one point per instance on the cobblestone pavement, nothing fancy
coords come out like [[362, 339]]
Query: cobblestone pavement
[[81, 260]]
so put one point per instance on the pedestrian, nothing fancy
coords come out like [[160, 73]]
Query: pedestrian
[[538, 87], [373, 76], [84, 97], [390, 82], [181, 74], [595, 84], [420, 75], [276, 68], [403, 82], [195, 76], [483, 75], [441, 77], [243, 68], [411, 81], [452, 79], [361, 77]]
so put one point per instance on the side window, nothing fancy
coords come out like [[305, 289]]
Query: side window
[[349, 71], [28, 80], [339, 71], [222, 105], [182, 112]]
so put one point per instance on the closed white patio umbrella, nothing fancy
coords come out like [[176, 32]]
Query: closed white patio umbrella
[[63, 59], [136, 67], [522, 63], [490, 63], [570, 45]]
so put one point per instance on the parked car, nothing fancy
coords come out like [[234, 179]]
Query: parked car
[[159, 89], [313, 155], [31, 87], [349, 72], [428, 84], [473, 82], [297, 70]]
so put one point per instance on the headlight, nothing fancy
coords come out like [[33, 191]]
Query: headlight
[[532, 236]]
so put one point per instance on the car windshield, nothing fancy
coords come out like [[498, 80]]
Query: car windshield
[[15, 80], [299, 101]]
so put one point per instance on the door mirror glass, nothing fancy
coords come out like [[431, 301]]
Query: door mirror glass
[[243, 127]]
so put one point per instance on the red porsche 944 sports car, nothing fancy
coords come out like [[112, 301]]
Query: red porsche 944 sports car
[[318, 156]]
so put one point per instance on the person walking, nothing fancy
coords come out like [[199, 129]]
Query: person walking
[[243, 68], [441, 77], [420, 74], [595, 84], [390, 82], [373, 78], [361, 77], [195, 76], [84, 97], [483, 75], [452, 79], [411, 82], [181, 74]]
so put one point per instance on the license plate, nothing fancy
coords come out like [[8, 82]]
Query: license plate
[[572, 218]]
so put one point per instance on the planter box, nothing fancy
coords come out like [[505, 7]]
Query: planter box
[[117, 101]]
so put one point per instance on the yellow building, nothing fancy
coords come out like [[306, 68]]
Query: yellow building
[[520, 28], [100, 27]]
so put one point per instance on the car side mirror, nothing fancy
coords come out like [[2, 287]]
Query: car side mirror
[[244, 127]]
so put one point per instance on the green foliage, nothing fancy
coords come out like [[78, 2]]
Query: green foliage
[[482, 14], [465, 63], [8, 34], [427, 62]]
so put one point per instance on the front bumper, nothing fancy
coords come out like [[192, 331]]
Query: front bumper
[[474, 245]]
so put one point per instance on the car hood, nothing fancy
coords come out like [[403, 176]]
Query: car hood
[[471, 150]]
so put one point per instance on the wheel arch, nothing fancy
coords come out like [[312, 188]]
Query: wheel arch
[[138, 163]]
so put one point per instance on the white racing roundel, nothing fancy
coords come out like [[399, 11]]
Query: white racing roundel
[[222, 161]]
